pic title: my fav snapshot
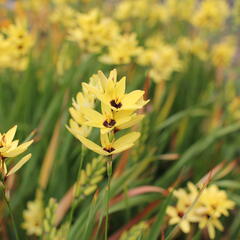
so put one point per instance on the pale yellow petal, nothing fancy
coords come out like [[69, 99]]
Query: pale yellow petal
[[127, 139], [120, 88], [184, 225], [211, 231], [92, 115], [76, 116], [104, 140], [10, 134], [132, 97], [20, 149], [122, 148], [19, 164], [136, 119], [106, 110], [113, 75], [92, 146]]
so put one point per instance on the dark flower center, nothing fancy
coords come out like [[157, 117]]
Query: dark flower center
[[180, 214], [109, 150], [109, 124], [116, 105]]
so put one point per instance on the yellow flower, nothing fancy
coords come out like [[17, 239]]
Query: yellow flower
[[15, 44], [149, 10], [18, 37], [109, 119], [211, 14], [223, 52], [9, 148], [196, 46], [183, 214], [182, 10], [110, 147], [203, 207], [92, 32], [76, 125], [64, 15], [131, 9], [33, 217], [121, 50], [164, 62], [112, 93], [213, 203], [117, 113]]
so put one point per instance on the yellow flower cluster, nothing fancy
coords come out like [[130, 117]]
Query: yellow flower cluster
[[121, 50], [162, 59], [84, 99], [118, 111], [9, 148], [223, 52], [196, 46], [33, 216], [15, 43], [182, 10], [92, 31], [149, 10], [64, 15], [211, 15], [204, 207]]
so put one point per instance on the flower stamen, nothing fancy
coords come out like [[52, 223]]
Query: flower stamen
[[109, 123], [109, 150], [116, 104]]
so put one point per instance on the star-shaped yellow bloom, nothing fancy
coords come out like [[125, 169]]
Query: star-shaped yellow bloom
[[113, 93], [108, 119], [111, 147], [9, 148]]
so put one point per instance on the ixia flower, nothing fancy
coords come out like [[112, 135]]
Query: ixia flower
[[211, 14], [118, 111], [16, 42], [121, 50], [110, 147], [204, 208], [91, 31], [76, 125], [108, 119], [223, 52], [9, 148], [112, 93], [182, 10], [196, 46], [33, 216]]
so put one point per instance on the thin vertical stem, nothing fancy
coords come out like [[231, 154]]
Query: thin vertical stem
[[76, 188], [11, 213], [109, 174]]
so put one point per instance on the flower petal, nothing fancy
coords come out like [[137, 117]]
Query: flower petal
[[125, 140], [19, 164], [20, 149], [10, 134], [92, 146]]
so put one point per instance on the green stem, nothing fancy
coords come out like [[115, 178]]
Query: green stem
[[76, 189], [11, 213], [109, 174]]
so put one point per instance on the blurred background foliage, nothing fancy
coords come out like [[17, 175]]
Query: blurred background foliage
[[184, 54]]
